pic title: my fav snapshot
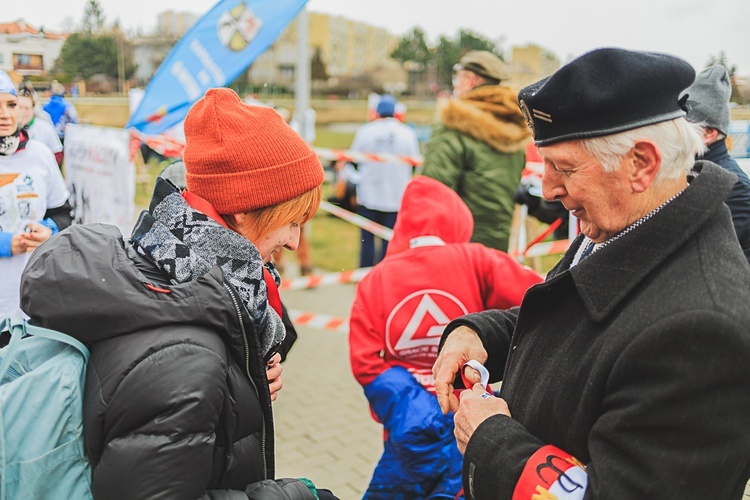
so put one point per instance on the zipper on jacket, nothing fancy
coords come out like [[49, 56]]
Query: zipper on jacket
[[249, 376]]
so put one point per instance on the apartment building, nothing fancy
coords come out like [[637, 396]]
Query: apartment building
[[26, 50], [530, 63], [347, 48]]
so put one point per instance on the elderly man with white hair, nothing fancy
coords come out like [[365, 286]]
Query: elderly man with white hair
[[626, 374]]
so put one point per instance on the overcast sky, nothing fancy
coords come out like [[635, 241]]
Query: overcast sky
[[692, 29]]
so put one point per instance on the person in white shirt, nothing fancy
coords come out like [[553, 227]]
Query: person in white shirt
[[39, 129], [380, 185], [33, 198]]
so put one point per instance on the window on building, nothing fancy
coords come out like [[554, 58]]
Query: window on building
[[23, 60], [28, 62], [286, 71]]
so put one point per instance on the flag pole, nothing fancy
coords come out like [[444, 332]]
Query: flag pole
[[302, 74]]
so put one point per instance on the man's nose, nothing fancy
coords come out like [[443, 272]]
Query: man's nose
[[552, 185]]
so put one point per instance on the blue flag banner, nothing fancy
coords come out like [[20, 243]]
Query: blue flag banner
[[221, 45]]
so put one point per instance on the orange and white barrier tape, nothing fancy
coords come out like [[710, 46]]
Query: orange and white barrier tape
[[377, 229], [328, 154], [306, 282], [319, 321], [548, 248], [166, 145]]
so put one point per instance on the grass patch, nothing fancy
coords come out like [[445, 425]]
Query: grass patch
[[326, 138], [334, 243], [145, 178]]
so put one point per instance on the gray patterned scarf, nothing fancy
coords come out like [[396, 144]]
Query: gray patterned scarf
[[185, 244]]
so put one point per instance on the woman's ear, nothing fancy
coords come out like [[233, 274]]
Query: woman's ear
[[646, 164], [238, 220]]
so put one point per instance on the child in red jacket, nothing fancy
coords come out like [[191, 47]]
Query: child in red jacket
[[431, 275]]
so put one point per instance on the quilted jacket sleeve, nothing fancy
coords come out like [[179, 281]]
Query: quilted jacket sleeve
[[161, 423]]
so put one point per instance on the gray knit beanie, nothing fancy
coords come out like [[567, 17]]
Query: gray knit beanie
[[708, 99]]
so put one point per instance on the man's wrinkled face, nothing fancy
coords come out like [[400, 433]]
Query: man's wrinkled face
[[600, 200]]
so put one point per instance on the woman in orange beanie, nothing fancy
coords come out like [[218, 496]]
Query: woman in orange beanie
[[187, 365]]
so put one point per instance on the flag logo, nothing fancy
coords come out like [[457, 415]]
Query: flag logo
[[238, 26]]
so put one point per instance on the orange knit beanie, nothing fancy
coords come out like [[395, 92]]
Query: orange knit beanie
[[240, 157]]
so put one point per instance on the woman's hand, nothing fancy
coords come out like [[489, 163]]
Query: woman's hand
[[16, 245], [34, 235], [273, 372]]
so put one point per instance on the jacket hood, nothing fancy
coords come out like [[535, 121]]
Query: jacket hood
[[85, 282], [489, 114], [430, 208]]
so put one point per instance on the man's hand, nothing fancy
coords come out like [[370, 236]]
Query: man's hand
[[273, 371], [461, 345], [477, 405]]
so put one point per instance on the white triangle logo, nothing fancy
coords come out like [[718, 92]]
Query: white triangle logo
[[426, 306]]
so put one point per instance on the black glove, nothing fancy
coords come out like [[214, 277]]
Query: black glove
[[522, 196]]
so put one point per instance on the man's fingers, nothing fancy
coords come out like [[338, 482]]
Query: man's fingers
[[452, 402], [444, 394], [443, 402], [472, 375], [444, 372], [479, 389]]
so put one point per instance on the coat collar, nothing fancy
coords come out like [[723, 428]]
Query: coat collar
[[627, 261], [716, 151]]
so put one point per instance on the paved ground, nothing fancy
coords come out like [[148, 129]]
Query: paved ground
[[323, 426]]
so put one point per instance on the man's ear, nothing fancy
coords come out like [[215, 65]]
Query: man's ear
[[646, 163], [710, 135]]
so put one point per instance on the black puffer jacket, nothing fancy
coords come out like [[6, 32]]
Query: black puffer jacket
[[177, 401]]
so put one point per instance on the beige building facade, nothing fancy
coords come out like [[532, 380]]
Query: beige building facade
[[529, 64], [347, 48]]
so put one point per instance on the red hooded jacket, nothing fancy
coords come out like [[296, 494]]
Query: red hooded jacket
[[431, 274]]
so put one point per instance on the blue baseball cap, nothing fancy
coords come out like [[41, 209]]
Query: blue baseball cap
[[386, 106], [6, 85]]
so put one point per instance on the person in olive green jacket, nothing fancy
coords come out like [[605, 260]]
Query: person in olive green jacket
[[478, 146]]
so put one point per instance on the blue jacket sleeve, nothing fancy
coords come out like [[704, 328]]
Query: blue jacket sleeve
[[404, 406], [5, 239], [50, 224]]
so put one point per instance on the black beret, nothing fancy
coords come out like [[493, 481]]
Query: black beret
[[604, 92]]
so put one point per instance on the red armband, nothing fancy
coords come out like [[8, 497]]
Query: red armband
[[552, 473]]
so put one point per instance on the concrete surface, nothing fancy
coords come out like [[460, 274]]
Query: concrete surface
[[323, 426]]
